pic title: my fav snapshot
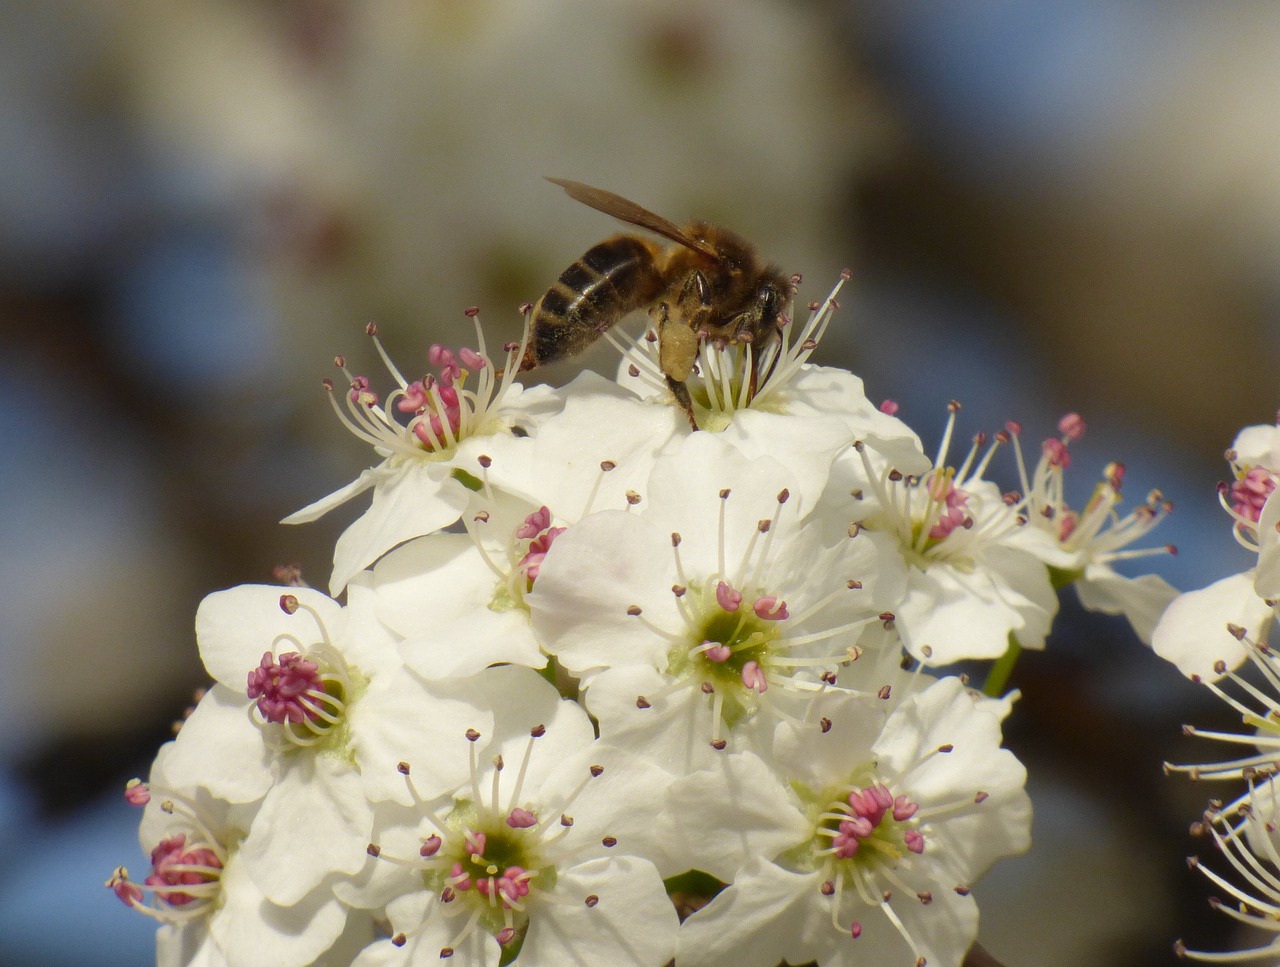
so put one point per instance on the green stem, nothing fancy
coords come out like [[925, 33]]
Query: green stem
[[998, 677]]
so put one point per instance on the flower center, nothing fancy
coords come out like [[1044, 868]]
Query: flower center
[[301, 697], [869, 827]]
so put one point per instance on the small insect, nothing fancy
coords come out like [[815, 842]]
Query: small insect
[[711, 285]]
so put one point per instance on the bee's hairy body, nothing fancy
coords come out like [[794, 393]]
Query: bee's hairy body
[[710, 285]]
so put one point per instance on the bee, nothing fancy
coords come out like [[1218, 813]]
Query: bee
[[710, 285]]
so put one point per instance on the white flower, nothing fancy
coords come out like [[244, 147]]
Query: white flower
[[1259, 710], [1248, 841], [432, 455], [859, 846], [1191, 632], [796, 412], [1092, 539], [211, 911], [537, 860], [974, 574], [713, 602], [316, 735]]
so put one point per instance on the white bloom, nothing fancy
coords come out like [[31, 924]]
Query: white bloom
[[1191, 634], [1248, 841], [211, 910], [975, 577], [860, 845], [712, 602], [1090, 540], [541, 853], [316, 735], [432, 455], [795, 411]]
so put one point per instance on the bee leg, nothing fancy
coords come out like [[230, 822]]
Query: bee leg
[[681, 393]]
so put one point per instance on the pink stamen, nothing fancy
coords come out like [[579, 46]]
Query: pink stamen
[[360, 392], [1250, 493], [535, 523], [770, 608], [914, 840], [280, 685], [904, 808], [128, 892], [471, 359], [414, 399], [173, 865], [474, 842], [753, 677], [430, 846], [889, 407], [1055, 452], [1071, 426], [458, 879], [137, 793], [521, 819], [728, 599], [717, 652]]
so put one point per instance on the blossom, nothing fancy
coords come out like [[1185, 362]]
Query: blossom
[[1190, 633], [541, 861], [769, 400], [710, 609], [859, 843], [1088, 541], [1247, 840], [431, 454], [310, 714], [210, 908], [974, 574]]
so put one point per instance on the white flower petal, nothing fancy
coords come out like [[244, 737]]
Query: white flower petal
[[1142, 599], [220, 749], [1193, 634], [632, 924], [315, 821], [234, 628]]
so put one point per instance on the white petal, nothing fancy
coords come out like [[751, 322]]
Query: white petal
[[234, 628], [251, 930], [633, 924], [424, 724], [314, 822], [220, 749], [1267, 580], [948, 615], [1193, 634], [1142, 599], [766, 916], [594, 572], [420, 500], [718, 819], [317, 509]]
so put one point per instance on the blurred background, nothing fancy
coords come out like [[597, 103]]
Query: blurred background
[[1046, 207]]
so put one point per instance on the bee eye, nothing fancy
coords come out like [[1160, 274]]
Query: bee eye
[[768, 299]]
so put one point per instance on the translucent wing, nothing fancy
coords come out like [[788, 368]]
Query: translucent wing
[[629, 211]]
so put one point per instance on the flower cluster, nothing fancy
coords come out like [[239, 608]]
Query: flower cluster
[[1218, 636], [591, 662]]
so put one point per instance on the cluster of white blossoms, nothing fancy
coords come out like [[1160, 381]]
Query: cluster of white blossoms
[[608, 690], [1218, 636]]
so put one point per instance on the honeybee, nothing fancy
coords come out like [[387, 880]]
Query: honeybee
[[711, 285]]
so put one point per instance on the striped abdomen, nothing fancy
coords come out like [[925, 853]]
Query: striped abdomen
[[616, 277]]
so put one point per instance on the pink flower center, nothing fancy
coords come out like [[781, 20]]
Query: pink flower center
[[1251, 491], [434, 398], [172, 865], [868, 809], [541, 535], [284, 687]]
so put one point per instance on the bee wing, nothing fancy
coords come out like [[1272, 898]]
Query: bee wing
[[629, 211]]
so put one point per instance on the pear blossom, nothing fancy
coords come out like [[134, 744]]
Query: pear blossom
[[794, 411], [975, 577], [860, 842], [211, 910], [315, 734], [1245, 839], [540, 858], [431, 454], [1259, 710], [1190, 633], [1090, 540], [710, 610]]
